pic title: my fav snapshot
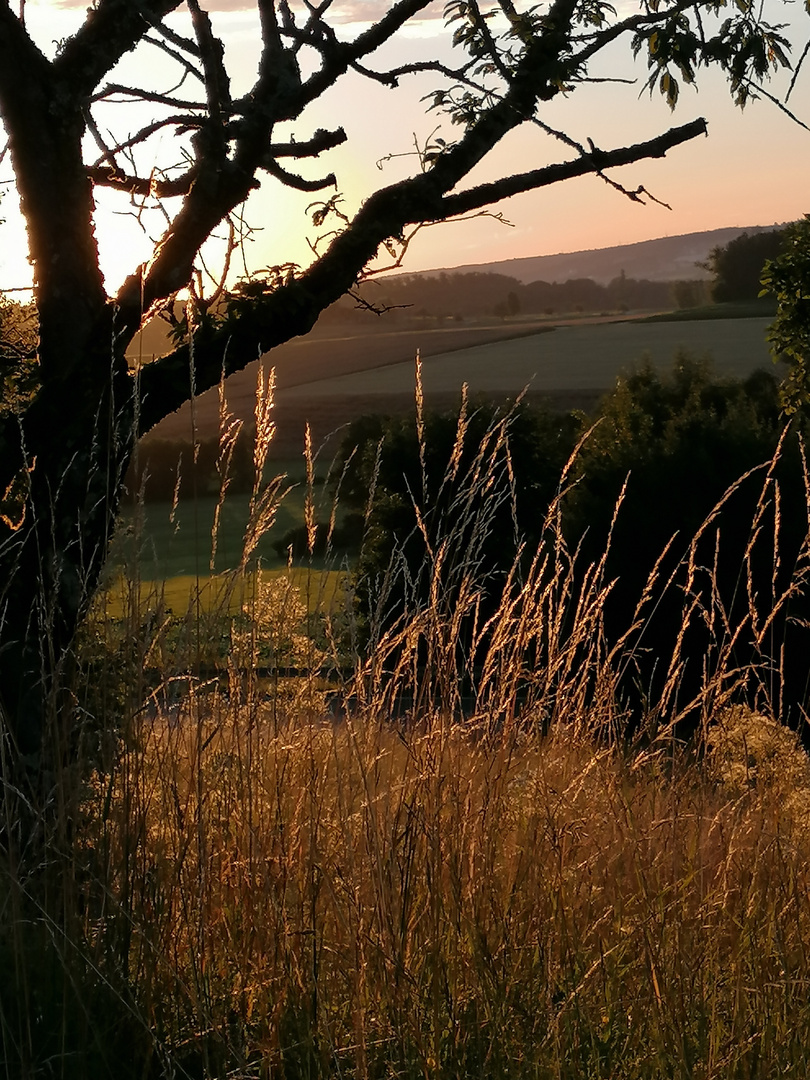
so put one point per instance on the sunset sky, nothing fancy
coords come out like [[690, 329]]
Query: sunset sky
[[753, 169]]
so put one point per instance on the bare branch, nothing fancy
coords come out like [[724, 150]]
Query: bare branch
[[316, 33], [177, 56], [342, 55], [612, 79], [109, 32], [217, 83], [398, 249], [797, 68], [146, 95], [106, 154], [393, 75], [146, 186], [115, 177], [595, 162], [221, 182], [183, 44], [758, 88], [322, 140], [562, 136], [181, 123], [292, 180]]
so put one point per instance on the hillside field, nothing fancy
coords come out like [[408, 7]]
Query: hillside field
[[570, 358], [328, 381]]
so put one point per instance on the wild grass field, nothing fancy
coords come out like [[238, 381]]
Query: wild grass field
[[417, 841]]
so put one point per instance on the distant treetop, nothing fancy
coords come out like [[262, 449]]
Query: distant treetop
[[738, 265]]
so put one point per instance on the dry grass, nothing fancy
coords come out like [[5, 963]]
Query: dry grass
[[333, 898], [382, 875]]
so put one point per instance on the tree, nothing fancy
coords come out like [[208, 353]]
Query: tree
[[788, 277], [737, 267], [672, 448], [67, 447], [688, 294]]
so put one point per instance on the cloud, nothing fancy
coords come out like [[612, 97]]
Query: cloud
[[371, 10], [342, 11]]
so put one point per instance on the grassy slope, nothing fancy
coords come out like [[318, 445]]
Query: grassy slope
[[171, 544]]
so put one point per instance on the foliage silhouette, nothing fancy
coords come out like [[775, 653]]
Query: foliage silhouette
[[787, 276], [675, 446], [383, 476], [738, 266]]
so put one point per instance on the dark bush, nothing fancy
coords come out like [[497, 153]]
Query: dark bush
[[669, 450], [675, 446], [406, 507]]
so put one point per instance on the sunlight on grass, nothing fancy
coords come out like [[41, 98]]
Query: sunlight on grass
[[425, 836], [217, 593]]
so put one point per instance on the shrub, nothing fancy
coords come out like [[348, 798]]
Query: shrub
[[710, 486]]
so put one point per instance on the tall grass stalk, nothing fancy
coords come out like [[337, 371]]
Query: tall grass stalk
[[436, 858]]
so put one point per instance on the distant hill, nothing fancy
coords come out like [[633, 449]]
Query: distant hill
[[672, 258]]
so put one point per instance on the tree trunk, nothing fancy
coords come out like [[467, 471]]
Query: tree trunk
[[76, 440]]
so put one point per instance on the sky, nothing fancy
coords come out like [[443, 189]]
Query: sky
[[752, 169]]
